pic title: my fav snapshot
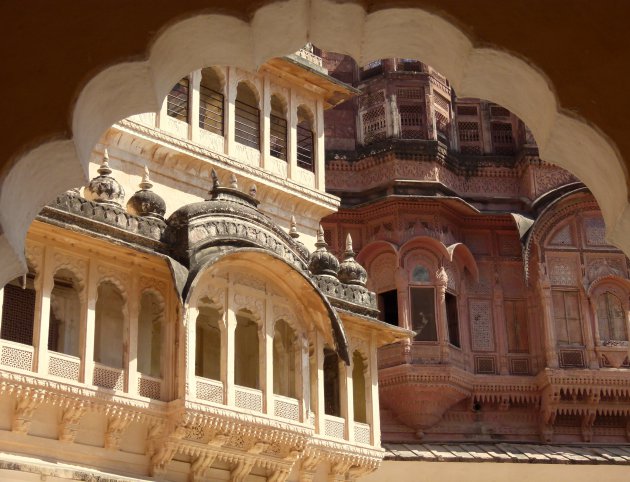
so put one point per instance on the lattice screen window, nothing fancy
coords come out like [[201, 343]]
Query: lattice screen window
[[442, 102], [468, 131], [368, 100], [502, 138], [498, 111], [413, 94], [411, 121], [18, 311], [374, 125], [441, 123], [566, 312], [467, 110]]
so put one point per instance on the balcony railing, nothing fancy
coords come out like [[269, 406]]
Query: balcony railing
[[149, 387], [286, 407], [16, 355], [362, 433], [108, 377], [334, 427], [248, 398], [64, 366], [209, 390]]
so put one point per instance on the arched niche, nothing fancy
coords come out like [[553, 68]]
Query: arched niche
[[65, 313], [305, 128], [212, 100], [151, 333], [247, 115], [109, 325], [278, 127]]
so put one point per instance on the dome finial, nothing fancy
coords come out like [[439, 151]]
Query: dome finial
[[321, 242], [215, 179], [293, 232], [104, 169], [146, 181], [349, 243]]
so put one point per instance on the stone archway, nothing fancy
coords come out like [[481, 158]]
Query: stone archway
[[134, 87]]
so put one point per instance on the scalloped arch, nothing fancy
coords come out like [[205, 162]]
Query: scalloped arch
[[139, 86]]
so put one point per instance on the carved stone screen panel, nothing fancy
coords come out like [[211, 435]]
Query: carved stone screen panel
[[482, 331], [423, 313], [595, 231]]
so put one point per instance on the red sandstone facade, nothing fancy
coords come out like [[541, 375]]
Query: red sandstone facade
[[495, 258]]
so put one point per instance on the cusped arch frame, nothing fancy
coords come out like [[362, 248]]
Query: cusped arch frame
[[135, 87], [336, 336]]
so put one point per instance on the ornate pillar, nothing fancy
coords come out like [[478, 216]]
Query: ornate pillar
[[499, 323], [404, 317], [544, 286], [347, 398], [320, 408], [41, 321], [441, 278], [227, 349], [587, 330], [266, 358], [193, 126], [90, 325], [373, 409], [304, 385], [320, 148], [190, 351], [131, 333], [230, 110], [265, 141]]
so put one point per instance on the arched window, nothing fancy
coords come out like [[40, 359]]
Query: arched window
[[247, 117], [284, 351], [305, 140], [332, 399], [150, 332], [358, 387], [208, 346], [177, 100], [18, 310], [211, 102], [611, 318], [65, 313], [109, 326], [246, 349], [278, 129]]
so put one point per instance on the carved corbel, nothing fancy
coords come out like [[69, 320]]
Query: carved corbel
[[27, 402], [70, 419], [504, 403], [161, 459], [241, 471], [258, 448], [588, 419], [339, 469], [116, 425], [154, 434], [199, 467], [358, 471], [278, 475], [308, 467], [219, 440]]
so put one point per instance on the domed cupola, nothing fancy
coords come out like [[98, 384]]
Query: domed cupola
[[104, 188], [350, 271], [145, 202], [322, 261]]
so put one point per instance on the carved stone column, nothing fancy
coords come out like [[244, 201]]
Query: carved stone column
[[373, 409], [40, 332], [320, 409], [190, 333], [90, 322], [347, 398], [544, 286], [227, 350], [131, 334], [193, 126], [266, 357], [588, 322], [441, 279], [404, 316]]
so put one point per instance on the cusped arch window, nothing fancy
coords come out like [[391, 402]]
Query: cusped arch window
[[278, 128], [178, 100], [65, 314], [247, 116], [305, 139], [611, 318], [211, 101]]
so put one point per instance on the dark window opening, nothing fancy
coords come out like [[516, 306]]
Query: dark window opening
[[210, 110], [388, 307], [423, 314], [452, 319], [247, 117], [177, 100], [332, 405], [278, 137], [18, 311], [305, 148]]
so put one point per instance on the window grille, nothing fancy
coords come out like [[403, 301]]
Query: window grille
[[410, 65], [519, 366], [442, 102], [247, 124], [411, 121], [210, 110], [441, 123], [374, 125], [571, 359], [177, 103], [468, 131], [485, 365], [278, 137], [18, 313], [497, 111], [305, 148], [409, 93], [502, 138], [467, 110]]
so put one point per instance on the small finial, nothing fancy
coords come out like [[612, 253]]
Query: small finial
[[348, 243], [293, 232], [146, 181], [233, 181], [253, 190], [215, 179], [321, 243], [104, 169]]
